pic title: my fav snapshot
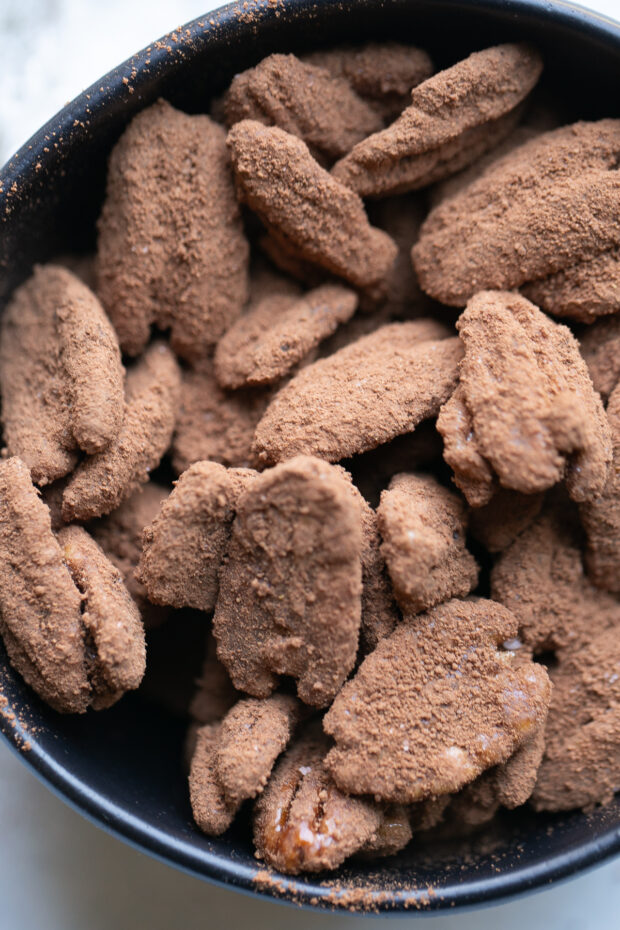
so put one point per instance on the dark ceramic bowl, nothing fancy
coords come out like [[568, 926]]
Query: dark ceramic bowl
[[122, 768]]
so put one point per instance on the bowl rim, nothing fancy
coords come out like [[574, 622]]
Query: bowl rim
[[16, 178]]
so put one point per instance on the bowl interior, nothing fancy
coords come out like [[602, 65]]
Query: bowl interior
[[123, 767]]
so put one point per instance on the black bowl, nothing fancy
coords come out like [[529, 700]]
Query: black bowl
[[122, 768]]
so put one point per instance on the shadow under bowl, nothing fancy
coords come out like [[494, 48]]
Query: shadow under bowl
[[123, 767]]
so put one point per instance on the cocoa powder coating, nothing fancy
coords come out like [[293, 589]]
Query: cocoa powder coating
[[61, 376], [448, 115], [300, 202], [377, 388], [488, 709], [290, 591], [171, 248]]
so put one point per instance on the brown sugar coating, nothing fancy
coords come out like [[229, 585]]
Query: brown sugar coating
[[113, 631], [120, 536], [302, 99], [367, 393], [584, 292], [302, 822], [103, 481], [277, 333], [423, 527], [540, 578], [301, 203], [215, 424], [183, 547], [601, 517], [472, 473], [171, 248], [600, 347], [545, 206], [456, 701], [211, 809], [40, 617], [535, 414], [214, 695], [383, 73], [582, 755], [61, 376], [253, 734], [451, 120], [290, 591], [508, 513]]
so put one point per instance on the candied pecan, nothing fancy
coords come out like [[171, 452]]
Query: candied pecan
[[393, 833], [581, 766], [215, 424], [383, 73], [233, 759], [379, 387], [600, 348], [113, 632], [453, 118], [253, 734], [290, 591], [290, 260], [277, 333], [456, 702], [302, 99], [400, 297], [183, 547], [540, 578], [535, 414], [423, 527], [103, 481], [60, 374], [120, 536], [584, 291], [69, 626], [211, 809], [214, 695], [549, 204], [302, 822], [601, 517], [472, 473], [508, 513], [458, 182], [171, 246], [300, 202]]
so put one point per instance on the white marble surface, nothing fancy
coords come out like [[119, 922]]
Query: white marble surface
[[57, 871]]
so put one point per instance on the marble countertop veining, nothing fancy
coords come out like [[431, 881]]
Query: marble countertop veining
[[58, 871]]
